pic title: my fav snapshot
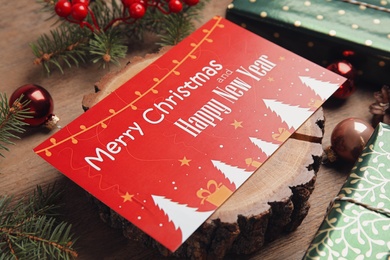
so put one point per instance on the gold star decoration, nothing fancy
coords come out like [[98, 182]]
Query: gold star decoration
[[270, 79], [236, 124], [282, 58], [185, 161], [127, 197]]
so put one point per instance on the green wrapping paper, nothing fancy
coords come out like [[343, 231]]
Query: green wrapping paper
[[324, 31], [357, 225]]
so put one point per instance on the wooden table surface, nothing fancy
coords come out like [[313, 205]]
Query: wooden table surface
[[21, 23]]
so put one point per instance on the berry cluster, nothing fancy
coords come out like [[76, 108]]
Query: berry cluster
[[76, 11]]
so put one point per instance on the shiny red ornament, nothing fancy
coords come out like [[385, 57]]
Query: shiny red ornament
[[41, 103], [349, 138], [345, 69]]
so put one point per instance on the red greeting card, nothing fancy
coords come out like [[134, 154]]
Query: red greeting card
[[174, 142]]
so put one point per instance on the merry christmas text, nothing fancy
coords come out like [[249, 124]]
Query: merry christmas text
[[208, 115]]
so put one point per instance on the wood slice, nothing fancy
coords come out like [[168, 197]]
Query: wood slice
[[273, 201]]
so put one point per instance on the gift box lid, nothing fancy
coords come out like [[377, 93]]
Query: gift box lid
[[358, 221], [351, 231], [359, 24], [369, 180]]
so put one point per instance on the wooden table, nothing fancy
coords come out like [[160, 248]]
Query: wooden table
[[21, 170]]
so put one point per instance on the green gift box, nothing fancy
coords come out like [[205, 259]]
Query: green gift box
[[324, 31], [357, 225]]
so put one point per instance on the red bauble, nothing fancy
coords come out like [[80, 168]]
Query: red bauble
[[63, 8], [349, 138], [345, 69], [41, 103]]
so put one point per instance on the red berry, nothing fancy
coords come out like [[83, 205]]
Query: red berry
[[83, 2], [137, 10], [79, 12], [191, 2], [175, 6], [128, 3], [63, 8]]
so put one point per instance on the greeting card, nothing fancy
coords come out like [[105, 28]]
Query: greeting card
[[169, 146]]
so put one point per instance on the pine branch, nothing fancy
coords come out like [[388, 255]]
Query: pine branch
[[40, 238], [47, 5], [180, 25], [177, 28], [45, 202], [104, 34], [11, 121], [27, 232], [64, 46], [107, 47], [108, 12]]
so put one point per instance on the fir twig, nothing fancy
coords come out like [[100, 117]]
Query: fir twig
[[27, 232], [106, 13], [106, 48], [64, 46], [11, 120], [107, 31], [176, 27]]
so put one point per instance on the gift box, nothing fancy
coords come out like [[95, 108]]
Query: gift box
[[324, 31], [215, 193], [357, 225]]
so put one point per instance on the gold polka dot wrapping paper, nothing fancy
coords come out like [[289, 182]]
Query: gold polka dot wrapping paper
[[357, 225], [324, 31]]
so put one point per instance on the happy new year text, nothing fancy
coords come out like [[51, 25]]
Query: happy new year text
[[213, 110]]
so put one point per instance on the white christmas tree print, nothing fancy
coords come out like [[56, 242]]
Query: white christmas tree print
[[185, 218], [294, 116], [267, 147], [324, 89], [235, 175]]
